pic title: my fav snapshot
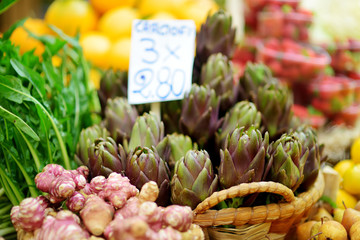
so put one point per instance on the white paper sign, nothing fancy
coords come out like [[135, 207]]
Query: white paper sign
[[161, 60]]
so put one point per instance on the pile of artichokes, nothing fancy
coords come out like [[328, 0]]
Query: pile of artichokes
[[226, 131]]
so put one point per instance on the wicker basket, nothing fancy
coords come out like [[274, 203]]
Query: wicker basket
[[268, 221]]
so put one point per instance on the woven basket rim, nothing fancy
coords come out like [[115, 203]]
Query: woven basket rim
[[260, 214]]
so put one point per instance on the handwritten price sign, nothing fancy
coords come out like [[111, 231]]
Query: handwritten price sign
[[161, 60]]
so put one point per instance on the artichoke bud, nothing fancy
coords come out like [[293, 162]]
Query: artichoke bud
[[243, 157], [148, 131], [120, 117], [146, 165], [105, 157], [86, 138], [243, 114], [199, 116], [308, 138], [194, 179], [275, 102], [287, 161]]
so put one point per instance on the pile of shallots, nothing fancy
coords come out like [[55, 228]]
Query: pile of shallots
[[105, 208]]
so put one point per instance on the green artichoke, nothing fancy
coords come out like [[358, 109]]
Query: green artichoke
[[255, 76], [215, 36], [105, 157], [147, 131], [144, 165], [112, 84], [308, 139], [194, 179], [243, 158], [86, 138], [243, 114], [287, 161], [120, 117], [275, 101], [219, 75], [199, 116], [179, 145]]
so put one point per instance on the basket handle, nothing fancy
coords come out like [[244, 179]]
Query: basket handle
[[244, 189]]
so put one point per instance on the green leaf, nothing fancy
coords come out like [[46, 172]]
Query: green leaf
[[32, 151], [30, 182], [73, 42], [19, 123], [30, 75], [5, 4], [12, 89]]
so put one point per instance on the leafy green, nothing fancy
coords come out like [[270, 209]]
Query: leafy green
[[4, 5], [43, 109]]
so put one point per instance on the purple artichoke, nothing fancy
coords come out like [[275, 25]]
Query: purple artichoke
[[144, 165], [200, 114], [243, 158]]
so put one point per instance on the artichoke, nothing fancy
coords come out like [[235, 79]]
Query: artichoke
[[287, 161], [86, 138], [194, 179], [308, 139], [112, 84], [243, 158], [148, 131], [105, 157], [218, 74], [179, 145], [120, 117], [275, 102], [144, 165], [215, 36], [255, 76], [243, 114], [199, 116]]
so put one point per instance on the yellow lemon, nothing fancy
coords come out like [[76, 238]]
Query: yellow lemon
[[351, 179], [117, 23], [21, 37], [342, 166], [102, 6], [119, 55], [149, 7], [71, 16], [355, 151], [162, 16], [198, 11], [348, 199], [96, 46], [95, 77]]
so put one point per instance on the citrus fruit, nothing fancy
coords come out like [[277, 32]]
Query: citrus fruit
[[162, 16], [149, 7], [22, 38], [96, 46], [117, 23], [119, 54], [355, 151], [351, 179], [198, 11], [95, 77], [348, 199], [342, 166], [71, 16], [102, 6]]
